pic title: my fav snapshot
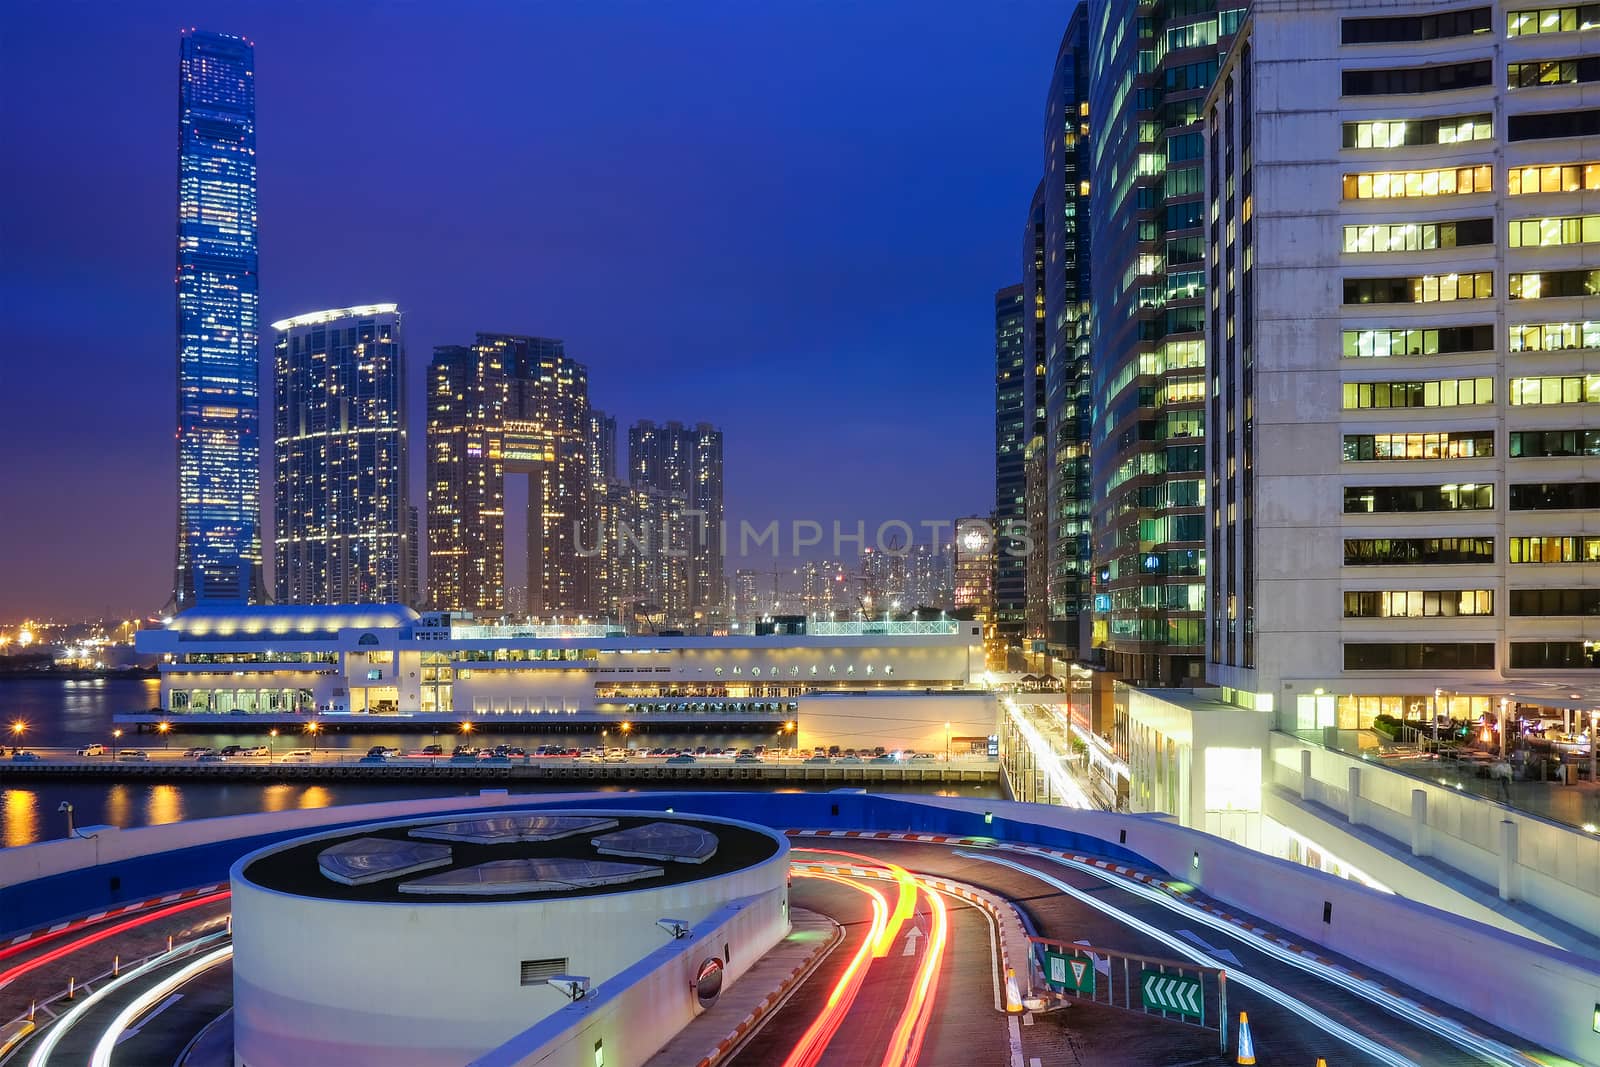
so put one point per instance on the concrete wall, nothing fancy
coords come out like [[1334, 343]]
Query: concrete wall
[[644, 1007], [912, 721], [1556, 869], [432, 984]]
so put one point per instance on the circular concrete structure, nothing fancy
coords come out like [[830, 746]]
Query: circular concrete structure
[[430, 941]]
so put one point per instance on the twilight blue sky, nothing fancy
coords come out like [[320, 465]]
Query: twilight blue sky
[[784, 217]]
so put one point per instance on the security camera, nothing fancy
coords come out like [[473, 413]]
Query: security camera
[[65, 806], [677, 929], [574, 986]]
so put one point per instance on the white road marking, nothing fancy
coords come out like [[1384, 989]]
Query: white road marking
[[157, 1010], [911, 941], [1027, 1018], [1014, 1036], [1219, 953]]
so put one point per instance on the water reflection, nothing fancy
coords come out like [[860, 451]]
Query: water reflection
[[315, 796], [163, 805], [21, 820], [277, 797], [119, 804]]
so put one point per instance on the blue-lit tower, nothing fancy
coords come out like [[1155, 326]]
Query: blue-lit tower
[[219, 506]]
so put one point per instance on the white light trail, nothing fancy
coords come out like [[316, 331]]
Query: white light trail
[[150, 997], [1049, 761]]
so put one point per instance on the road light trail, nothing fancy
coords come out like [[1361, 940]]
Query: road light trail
[[905, 1047], [814, 1042], [7, 977], [1483, 1047], [1184, 948], [905, 907], [62, 1026], [152, 996]]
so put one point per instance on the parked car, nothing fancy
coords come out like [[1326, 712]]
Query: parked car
[[379, 758], [919, 757], [883, 759], [92, 750], [255, 750], [211, 757], [433, 750], [748, 757], [299, 755], [848, 759], [466, 750], [134, 755], [616, 757], [819, 759], [232, 750], [198, 751], [494, 761], [682, 757], [24, 756]]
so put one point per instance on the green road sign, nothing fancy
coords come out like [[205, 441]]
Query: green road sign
[[1175, 994], [1069, 972]]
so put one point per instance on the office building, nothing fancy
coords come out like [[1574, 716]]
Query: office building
[[1150, 69], [973, 566], [1013, 423], [343, 522], [218, 431], [1064, 385], [1405, 346], [509, 405], [675, 458]]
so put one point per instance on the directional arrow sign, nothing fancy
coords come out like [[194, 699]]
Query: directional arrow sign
[[1069, 972], [1174, 994], [911, 941]]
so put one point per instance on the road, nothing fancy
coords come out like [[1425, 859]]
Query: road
[[1097, 1034]]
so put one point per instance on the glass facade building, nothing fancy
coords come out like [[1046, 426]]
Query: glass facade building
[[342, 514], [1013, 381], [218, 402], [1150, 70]]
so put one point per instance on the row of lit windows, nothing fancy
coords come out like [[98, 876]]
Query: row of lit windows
[[1552, 178], [1552, 232], [1418, 236], [1549, 284], [1440, 393], [1552, 72], [1418, 342], [1396, 133], [1553, 549], [1406, 551], [1398, 184], [1554, 336], [1427, 288], [1389, 499], [1565, 19], [1470, 444], [1569, 389], [1417, 603]]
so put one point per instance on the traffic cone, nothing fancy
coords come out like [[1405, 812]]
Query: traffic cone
[[1247, 1047], [1322, 1061]]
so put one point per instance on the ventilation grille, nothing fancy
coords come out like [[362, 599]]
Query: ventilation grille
[[538, 972]]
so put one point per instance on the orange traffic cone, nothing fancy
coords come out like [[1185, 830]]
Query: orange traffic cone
[[1247, 1047], [1322, 1061]]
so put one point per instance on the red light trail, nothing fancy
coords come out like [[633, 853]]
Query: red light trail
[[7, 977]]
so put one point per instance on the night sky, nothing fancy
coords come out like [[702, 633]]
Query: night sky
[[785, 218]]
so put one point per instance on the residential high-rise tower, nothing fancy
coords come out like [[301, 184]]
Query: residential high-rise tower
[[687, 460]]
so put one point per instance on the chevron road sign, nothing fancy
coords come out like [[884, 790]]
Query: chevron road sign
[[1173, 993]]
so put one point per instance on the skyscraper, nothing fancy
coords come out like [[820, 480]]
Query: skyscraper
[[344, 526], [509, 405], [1401, 211], [1065, 385], [218, 433], [1150, 72], [1013, 321], [687, 460]]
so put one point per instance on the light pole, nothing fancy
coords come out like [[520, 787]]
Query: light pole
[[18, 729], [116, 742], [66, 808], [947, 742], [312, 728], [165, 729], [1437, 693], [272, 745]]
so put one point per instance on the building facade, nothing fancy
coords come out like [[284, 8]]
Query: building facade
[[1013, 381], [1064, 550], [344, 529], [1406, 347], [1150, 71], [686, 460], [218, 403], [642, 566], [509, 405]]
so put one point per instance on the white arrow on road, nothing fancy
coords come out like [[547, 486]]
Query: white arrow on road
[[911, 941], [1219, 953]]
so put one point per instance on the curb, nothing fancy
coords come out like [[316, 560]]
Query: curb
[[770, 1001], [110, 913]]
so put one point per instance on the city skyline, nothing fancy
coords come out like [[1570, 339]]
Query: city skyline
[[890, 407]]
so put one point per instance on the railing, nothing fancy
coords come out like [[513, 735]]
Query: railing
[[1171, 989], [884, 628]]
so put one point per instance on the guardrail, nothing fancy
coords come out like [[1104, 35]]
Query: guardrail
[[1174, 990]]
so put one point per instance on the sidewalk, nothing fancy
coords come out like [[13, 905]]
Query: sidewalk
[[715, 1032]]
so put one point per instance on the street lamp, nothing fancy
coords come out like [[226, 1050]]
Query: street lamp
[[947, 742], [272, 745], [312, 728], [164, 728], [116, 739], [18, 728]]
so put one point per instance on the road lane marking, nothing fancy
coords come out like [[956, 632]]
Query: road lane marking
[[1014, 1036], [157, 1010], [1219, 953], [911, 941]]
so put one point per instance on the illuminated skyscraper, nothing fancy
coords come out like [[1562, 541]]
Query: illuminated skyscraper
[[509, 405], [343, 521], [219, 477], [687, 460], [1013, 321]]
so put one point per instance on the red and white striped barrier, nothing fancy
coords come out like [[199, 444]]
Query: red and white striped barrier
[[111, 913]]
